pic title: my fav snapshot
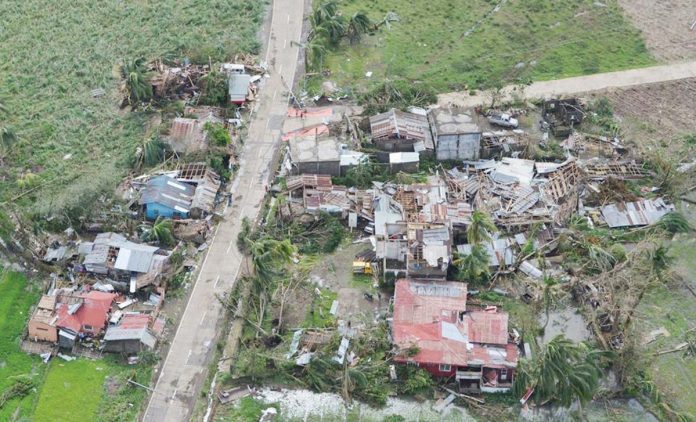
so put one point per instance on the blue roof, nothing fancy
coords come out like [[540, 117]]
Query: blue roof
[[167, 191]]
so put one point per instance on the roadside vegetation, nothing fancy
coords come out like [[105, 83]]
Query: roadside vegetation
[[457, 47]]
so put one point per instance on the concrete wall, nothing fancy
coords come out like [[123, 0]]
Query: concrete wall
[[465, 146], [394, 145], [39, 331], [332, 168], [405, 167], [124, 346]]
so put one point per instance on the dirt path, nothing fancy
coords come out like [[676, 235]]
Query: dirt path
[[580, 84], [185, 368]]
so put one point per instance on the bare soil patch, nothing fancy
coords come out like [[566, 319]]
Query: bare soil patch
[[666, 26], [656, 117]]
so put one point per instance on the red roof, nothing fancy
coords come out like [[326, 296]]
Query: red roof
[[134, 321], [488, 327], [93, 311], [431, 316]]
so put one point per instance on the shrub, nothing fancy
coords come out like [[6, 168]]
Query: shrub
[[217, 134], [214, 89]]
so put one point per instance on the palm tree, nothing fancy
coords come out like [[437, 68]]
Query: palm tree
[[562, 371], [321, 14], [358, 24], [660, 261], [136, 79], [550, 292], [352, 378], [269, 255], [335, 27], [674, 222], [315, 52], [161, 232], [318, 373], [480, 229], [475, 265]]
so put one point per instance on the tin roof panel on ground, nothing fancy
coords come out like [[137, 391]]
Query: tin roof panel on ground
[[640, 213]]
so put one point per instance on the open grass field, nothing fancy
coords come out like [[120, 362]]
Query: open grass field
[[72, 391], [441, 43], [15, 300], [87, 390], [53, 54]]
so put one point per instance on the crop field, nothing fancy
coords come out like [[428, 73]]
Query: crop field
[[70, 146], [16, 298], [472, 46]]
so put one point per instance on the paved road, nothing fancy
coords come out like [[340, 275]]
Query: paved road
[[185, 368], [580, 84]]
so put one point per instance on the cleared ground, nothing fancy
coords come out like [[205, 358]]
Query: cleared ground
[[657, 116], [666, 26], [453, 47], [53, 54]]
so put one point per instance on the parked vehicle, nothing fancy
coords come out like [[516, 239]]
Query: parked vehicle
[[503, 120]]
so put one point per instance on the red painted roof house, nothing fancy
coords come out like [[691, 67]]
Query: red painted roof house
[[433, 328], [86, 313]]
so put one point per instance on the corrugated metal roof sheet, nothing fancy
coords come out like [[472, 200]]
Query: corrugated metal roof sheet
[[429, 315], [238, 86], [169, 192], [134, 260], [641, 213]]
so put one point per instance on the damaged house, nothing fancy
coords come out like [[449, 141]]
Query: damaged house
[[64, 317], [433, 329], [412, 234], [164, 196], [188, 135], [135, 264], [518, 193], [399, 131], [562, 115], [321, 155], [131, 335], [190, 192], [456, 135], [206, 183]]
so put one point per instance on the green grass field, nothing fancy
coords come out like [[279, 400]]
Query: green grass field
[[53, 54], [72, 391], [16, 298], [87, 390], [530, 39]]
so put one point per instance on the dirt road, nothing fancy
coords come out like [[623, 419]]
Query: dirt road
[[185, 367], [580, 84]]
